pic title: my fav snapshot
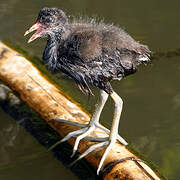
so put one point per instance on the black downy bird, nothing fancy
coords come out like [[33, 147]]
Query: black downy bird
[[92, 53]]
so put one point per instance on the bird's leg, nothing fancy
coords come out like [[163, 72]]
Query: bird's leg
[[114, 128], [101, 102], [113, 133], [94, 122]]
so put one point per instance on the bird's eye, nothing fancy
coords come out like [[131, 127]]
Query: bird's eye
[[49, 19]]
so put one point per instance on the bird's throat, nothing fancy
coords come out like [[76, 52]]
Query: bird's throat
[[50, 54]]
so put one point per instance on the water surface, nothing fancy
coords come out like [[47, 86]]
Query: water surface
[[150, 118]]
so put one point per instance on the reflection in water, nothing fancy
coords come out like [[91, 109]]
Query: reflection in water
[[22, 157], [8, 137], [176, 101], [150, 117]]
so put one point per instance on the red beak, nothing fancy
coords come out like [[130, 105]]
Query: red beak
[[37, 34]]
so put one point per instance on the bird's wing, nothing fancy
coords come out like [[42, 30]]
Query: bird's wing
[[84, 45], [127, 58]]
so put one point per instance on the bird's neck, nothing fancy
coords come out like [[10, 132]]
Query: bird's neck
[[51, 53]]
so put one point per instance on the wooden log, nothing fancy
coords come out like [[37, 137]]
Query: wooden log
[[46, 99]]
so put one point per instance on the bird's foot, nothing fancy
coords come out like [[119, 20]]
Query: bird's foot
[[84, 134], [85, 131]]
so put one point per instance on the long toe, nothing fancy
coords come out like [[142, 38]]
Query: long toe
[[96, 139], [111, 143], [69, 122], [89, 150], [78, 139], [67, 137], [119, 138]]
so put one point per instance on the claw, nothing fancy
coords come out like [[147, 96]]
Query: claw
[[121, 140], [54, 145], [104, 155], [74, 152]]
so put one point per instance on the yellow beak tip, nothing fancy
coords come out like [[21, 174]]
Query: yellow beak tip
[[26, 33]]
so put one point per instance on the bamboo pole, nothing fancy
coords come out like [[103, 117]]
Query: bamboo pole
[[46, 99]]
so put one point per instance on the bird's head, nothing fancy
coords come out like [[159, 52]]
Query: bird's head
[[50, 22]]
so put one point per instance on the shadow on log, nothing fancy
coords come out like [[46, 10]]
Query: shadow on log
[[49, 102]]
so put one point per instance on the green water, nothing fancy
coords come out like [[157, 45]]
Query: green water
[[151, 113]]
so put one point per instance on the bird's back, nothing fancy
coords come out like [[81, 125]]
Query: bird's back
[[98, 53], [92, 39]]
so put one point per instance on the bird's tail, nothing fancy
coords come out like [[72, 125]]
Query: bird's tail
[[144, 58], [144, 54]]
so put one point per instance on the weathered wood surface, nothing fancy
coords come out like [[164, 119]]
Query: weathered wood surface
[[46, 99]]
